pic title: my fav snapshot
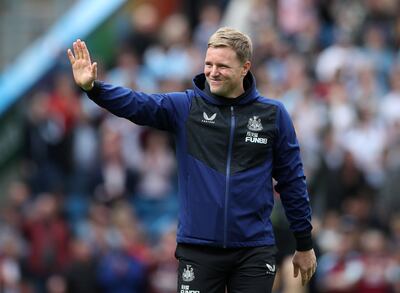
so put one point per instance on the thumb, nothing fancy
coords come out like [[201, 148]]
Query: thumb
[[296, 270], [94, 70]]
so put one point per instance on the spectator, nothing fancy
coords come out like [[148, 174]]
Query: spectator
[[48, 235], [80, 275], [163, 271], [113, 179], [340, 269], [376, 264]]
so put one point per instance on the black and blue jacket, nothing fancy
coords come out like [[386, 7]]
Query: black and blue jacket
[[228, 151]]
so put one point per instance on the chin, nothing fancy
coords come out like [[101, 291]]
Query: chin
[[216, 91]]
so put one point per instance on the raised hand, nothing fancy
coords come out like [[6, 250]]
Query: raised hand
[[84, 71]]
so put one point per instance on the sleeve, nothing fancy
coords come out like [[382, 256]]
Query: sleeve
[[160, 111], [291, 182]]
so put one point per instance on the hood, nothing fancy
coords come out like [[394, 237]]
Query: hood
[[250, 94]]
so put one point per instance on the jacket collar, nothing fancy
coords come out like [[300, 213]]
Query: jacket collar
[[200, 87]]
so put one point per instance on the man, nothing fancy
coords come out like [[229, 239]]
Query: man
[[230, 143]]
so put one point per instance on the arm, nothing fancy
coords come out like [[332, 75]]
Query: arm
[[156, 110], [291, 184]]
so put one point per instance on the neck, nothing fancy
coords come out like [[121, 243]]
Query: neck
[[237, 94], [233, 99]]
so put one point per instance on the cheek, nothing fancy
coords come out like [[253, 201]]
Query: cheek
[[228, 74]]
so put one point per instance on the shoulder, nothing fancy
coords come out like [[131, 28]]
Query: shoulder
[[282, 115], [179, 101], [270, 101], [184, 96]]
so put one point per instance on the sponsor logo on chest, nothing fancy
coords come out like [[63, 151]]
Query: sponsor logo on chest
[[209, 119]]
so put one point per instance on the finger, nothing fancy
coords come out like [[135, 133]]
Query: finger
[[304, 277], [71, 56], [314, 270], [310, 274], [80, 50], [295, 271], [75, 47], [85, 52]]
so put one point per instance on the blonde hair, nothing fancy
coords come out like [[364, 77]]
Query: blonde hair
[[234, 39]]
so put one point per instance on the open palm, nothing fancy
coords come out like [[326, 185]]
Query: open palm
[[84, 71]]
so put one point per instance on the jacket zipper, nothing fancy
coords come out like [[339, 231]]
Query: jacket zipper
[[228, 174]]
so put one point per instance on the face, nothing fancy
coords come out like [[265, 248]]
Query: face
[[224, 72]]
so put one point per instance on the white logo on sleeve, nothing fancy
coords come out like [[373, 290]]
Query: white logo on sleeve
[[188, 274], [209, 119]]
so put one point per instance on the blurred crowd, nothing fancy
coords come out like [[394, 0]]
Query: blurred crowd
[[95, 207]]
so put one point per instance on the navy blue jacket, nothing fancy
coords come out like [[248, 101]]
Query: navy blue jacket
[[228, 151]]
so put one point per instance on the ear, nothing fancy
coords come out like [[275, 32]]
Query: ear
[[246, 67]]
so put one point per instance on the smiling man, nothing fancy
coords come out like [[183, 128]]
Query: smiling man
[[224, 71], [230, 143]]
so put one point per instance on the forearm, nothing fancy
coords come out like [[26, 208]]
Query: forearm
[[143, 109], [297, 208], [117, 100]]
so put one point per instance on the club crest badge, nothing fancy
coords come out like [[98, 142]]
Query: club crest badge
[[188, 274], [254, 124]]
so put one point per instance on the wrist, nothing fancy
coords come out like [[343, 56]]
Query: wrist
[[303, 241], [88, 87]]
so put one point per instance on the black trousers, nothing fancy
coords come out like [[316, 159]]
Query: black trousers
[[205, 269]]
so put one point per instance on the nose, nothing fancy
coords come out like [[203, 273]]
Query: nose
[[214, 71]]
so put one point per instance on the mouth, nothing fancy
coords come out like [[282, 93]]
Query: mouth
[[214, 82]]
